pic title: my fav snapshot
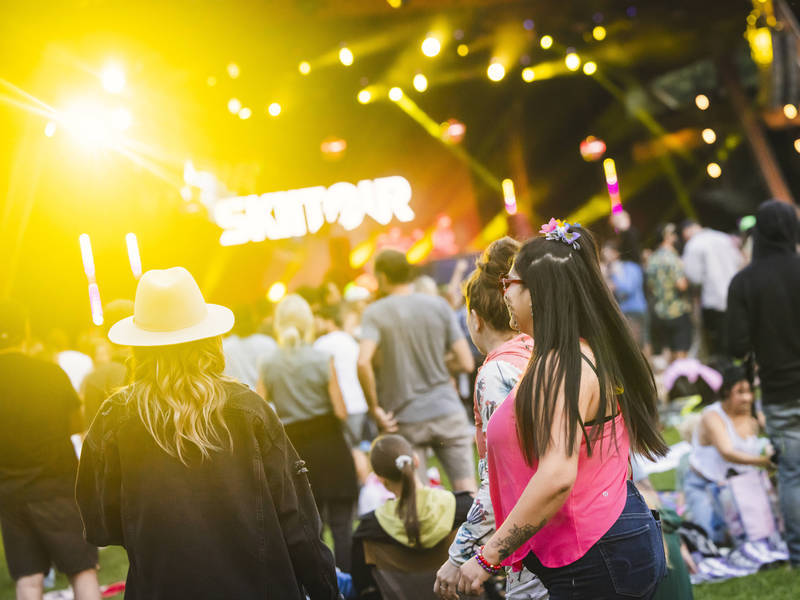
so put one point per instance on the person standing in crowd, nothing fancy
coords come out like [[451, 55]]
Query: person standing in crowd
[[301, 383], [76, 364], [507, 355], [40, 522], [669, 289], [191, 471], [710, 260], [411, 393], [764, 319], [558, 447], [625, 278], [244, 347]]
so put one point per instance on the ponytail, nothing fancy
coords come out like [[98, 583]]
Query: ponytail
[[391, 458], [289, 337]]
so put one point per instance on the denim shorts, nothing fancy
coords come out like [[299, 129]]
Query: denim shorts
[[627, 562]]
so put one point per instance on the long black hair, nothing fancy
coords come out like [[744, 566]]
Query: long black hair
[[569, 302]]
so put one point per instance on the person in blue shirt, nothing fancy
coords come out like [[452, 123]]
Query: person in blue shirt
[[625, 278]]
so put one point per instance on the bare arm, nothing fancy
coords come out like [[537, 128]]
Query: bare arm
[[335, 393], [366, 377], [716, 432], [463, 356]]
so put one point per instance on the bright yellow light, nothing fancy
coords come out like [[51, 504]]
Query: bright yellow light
[[134, 258], [462, 50], [346, 56], [509, 196], [528, 74], [790, 110], [760, 44], [546, 41], [234, 106], [86, 255], [599, 33], [496, 71], [610, 169], [50, 129], [88, 123], [702, 101], [361, 254], [714, 170], [420, 82], [709, 137], [573, 61], [233, 70], [364, 96], [274, 109], [245, 113], [276, 292], [113, 78], [304, 67], [420, 250], [590, 68], [395, 94], [431, 46], [121, 119], [797, 145], [395, 3]]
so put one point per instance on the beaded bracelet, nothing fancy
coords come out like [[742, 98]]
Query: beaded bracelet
[[486, 565]]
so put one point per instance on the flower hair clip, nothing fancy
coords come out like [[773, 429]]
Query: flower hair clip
[[402, 461], [556, 229]]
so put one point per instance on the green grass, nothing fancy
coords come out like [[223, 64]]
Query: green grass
[[775, 584]]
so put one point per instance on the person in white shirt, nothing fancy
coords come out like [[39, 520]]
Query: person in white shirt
[[244, 348], [710, 260]]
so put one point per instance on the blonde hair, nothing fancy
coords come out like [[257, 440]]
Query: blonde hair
[[294, 321], [179, 394]]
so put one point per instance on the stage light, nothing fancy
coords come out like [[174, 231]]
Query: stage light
[[245, 113], [360, 255], [274, 109], [50, 129], [573, 61], [395, 94], [702, 101], [134, 258], [528, 74], [760, 39], [113, 78], [509, 196], [234, 106], [431, 46], [590, 68], [86, 255], [276, 292], [610, 169], [546, 41], [121, 119], [790, 110], [395, 3], [452, 131], [95, 304], [420, 82], [88, 123], [709, 137], [797, 145], [599, 33], [364, 96], [592, 149], [714, 170], [304, 68], [346, 56], [233, 70], [496, 71], [462, 50]]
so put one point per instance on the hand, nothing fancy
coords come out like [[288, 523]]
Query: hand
[[472, 579], [385, 420], [447, 581]]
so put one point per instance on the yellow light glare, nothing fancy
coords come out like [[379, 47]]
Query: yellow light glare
[[610, 169], [496, 71], [797, 145], [361, 254], [234, 106], [134, 258], [420, 82], [462, 50], [395, 3], [599, 33], [346, 56], [50, 129], [790, 110], [546, 41], [274, 109], [245, 113], [88, 123], [573, 61], [395, 94], [590, 68], [714, 170], [304, 67], [233, 70], [211, 81], [121, 119], [364, 96], [709, 136], [528, 74], [113, 78], [276, 292], [431, 46], [702, 101], [760, 44], [86, 255]]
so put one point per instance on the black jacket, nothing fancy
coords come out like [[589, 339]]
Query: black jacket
[[764, 304], [240, 525]]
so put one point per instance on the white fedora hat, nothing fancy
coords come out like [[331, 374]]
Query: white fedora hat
[[170, 309]]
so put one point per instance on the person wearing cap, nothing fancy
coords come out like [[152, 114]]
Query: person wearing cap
[[191, 472], [39, 409], [764, 321]]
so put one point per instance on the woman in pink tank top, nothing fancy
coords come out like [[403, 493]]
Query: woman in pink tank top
[[558, 447]]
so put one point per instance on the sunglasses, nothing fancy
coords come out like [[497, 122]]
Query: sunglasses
[[506, 282]]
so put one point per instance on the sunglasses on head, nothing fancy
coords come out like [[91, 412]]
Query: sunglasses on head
[[506, 282]]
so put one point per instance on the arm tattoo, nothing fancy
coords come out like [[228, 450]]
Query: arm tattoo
[[516, 537]]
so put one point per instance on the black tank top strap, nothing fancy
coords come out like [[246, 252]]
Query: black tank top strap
[[597, 421]]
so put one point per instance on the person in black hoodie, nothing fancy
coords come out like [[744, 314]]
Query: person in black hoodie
[[764, 318]]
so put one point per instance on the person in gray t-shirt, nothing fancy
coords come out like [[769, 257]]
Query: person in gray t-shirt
[[405, 337]]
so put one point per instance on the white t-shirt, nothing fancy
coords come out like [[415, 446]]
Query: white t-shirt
[[344, 350], [711, 259], [242, 356], [76, 365]]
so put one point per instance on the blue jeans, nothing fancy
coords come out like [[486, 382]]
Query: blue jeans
[[783, 428], [703, 505], [627, 562]]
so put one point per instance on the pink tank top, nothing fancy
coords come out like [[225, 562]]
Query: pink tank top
[[592, 507]]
